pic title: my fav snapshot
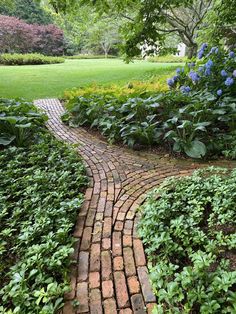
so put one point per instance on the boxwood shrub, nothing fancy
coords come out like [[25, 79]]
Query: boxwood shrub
[[28, 59], [189, 230]]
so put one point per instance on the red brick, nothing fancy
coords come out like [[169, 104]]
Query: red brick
[[126, 311], [68, 308], [107, 228], [83, 266], [90, 217], [133, 285], [121, 289], [116, 244], [130, 268], [82, 297], [95, 257], [119, 226], [110, 306], [109, 205], [101, 205], [127, 240], [106, 265], [107, 289], [121, 216], [73, 280], [139, 254], [118, 263], [94, 280], [95, 302], [106, 244], [86, 240]]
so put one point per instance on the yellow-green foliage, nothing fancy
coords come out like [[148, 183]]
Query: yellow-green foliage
[[132, 89]]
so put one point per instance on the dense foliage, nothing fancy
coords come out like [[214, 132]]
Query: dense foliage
[[29, 11], [28, 58], [18, 36], [199, 124], [20, 122], [188, 227], [40, 195], [167, 59]]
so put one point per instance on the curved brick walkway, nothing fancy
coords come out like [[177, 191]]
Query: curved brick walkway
[[109, 273]]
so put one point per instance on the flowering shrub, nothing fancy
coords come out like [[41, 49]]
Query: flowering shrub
[[214, 71], [18, 36]]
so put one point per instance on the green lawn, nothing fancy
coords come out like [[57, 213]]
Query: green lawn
[[38, 81]]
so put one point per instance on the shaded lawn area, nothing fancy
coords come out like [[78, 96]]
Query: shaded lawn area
[[42, 81]]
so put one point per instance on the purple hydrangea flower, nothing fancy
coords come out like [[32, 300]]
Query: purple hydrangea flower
[[202, 50], [229, 81], [178, 70], [170, 82], [231, 54], [185, 89], [214, 50], [219, 92], [194, 76], [234, 73], [175, 78], [223, 73]]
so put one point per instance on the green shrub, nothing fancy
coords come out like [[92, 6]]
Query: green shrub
[[40, 194], [75, 57], [20, 122], [28, 59], [189, 230], [168, 59], [198, 125]]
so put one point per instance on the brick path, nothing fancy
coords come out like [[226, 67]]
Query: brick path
[[109, 274]]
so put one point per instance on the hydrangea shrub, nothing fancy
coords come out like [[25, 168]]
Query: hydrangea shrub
[[214, 71]]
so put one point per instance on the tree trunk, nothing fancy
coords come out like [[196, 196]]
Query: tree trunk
[[192, 51]]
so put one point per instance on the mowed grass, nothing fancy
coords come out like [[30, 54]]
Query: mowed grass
[[45, 81]]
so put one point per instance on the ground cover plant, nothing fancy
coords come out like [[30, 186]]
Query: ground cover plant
[[41, 189], [167, 59], [28, 59], [42, 81], [188, 228], [195, 117]]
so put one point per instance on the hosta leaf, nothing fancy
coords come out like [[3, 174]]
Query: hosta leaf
[[196, 149]]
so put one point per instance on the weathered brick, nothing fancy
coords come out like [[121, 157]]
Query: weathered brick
[[95, 302], [109, 205], [86, 239], [110, 306], [138, 304], [79, 227], [95, 257], [94, 280], [127, 240], [73, 280], [145, 285], [118, 263], [121, 289], [133, 285], [150, 307], [106, 265], [107, 289], [68, 308], [130, 268], [116, 244], [107, 227], [97, 231], [126, 311], [140, 259], [83, 266], [121, 216], [106, 244], [90, 217], [82, 297], [119, 225]]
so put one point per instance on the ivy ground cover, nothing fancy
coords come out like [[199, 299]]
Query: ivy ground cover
[[41, 190], [188, 227]]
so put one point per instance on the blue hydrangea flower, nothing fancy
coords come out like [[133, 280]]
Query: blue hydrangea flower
[[194, 76], [214, 50], [209, 64], [231, 54], [219, 92], [202, 50], [175, 78], [170, 82], [208, 71], [185, 89], [200, 69], [223, 73], [234, 73], [229, 81]]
